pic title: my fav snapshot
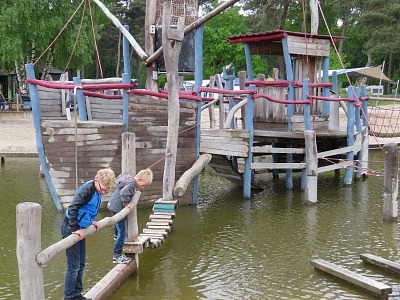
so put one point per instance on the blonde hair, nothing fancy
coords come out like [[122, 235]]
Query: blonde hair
[[145, 175], [106, 177]]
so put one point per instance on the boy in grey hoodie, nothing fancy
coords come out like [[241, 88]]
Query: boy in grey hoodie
[[126, 187]]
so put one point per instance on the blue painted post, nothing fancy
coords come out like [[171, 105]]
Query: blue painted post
[[126, 78], [364, 105], [81, 100], [308, 126], [37, 115], [229, 78], [249, 64], [125, 102], [247, 176], [307, 107], [359, 130], [125, 54], [290, 108], [325, 90], [198, 57], [198, 81], [290, 77], [348, 174], [335, 88]]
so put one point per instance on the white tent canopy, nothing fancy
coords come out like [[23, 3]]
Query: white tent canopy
[[370, 72]]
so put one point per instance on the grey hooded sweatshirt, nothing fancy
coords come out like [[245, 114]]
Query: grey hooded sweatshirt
[[126, 186]]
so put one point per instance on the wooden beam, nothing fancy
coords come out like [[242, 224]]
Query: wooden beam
[[381, 263], [361, 281], [114, 279]]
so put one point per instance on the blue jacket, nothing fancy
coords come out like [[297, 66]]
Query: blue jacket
[[84, 207]]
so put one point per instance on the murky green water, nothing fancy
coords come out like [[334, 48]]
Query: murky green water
[[224, 248]]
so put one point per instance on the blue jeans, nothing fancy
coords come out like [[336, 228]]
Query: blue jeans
[[76, 259], [120, 232]]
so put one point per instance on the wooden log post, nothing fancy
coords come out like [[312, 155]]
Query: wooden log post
[[311, 167], [128, 166], [172, 43], [187, 177], [390, 203], [29, 217], [150, 37]]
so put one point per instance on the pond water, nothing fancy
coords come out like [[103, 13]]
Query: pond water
[[224, 247]]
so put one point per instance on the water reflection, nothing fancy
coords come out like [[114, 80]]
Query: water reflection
[[225, 247]]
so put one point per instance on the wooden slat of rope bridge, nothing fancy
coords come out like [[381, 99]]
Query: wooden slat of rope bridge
[[157, 229]]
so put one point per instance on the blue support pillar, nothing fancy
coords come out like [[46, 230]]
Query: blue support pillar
[[198, 57], [229, 78], [364, 106], [325, 90], [247, 176], [81, 100], [198, 81], [348, 174], [290, 108], [37, 116], [126, 78], [249, 63], [125, 54], [125, 102], [308, 126]]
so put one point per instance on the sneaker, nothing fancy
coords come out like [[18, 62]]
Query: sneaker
[[121, 259], [115, 237]]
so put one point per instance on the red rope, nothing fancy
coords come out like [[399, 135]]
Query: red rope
[[71, 86]]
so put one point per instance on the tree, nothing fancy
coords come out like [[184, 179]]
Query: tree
[[217, 50], [28, 28]]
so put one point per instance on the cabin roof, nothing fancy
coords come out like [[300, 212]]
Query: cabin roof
[[275, 35], [299, 43]]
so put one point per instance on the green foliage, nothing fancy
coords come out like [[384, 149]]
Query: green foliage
[[29, 27], [217, 50]]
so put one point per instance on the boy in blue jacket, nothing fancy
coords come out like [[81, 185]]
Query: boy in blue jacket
[[126, 187], [81, 214]]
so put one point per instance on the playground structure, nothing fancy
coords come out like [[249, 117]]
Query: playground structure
[[294, 121]]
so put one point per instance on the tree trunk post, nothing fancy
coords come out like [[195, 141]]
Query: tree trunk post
[[172, 43], [150, 37], [29, 216], [128, 166], [390, 203], [311, 167]]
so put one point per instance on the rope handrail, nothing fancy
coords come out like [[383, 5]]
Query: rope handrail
[[188, 95], [226, 92], [333, 99], [321, 84], [164, 94], [283, 83], [281, 101], [103, 96], [68, 86]]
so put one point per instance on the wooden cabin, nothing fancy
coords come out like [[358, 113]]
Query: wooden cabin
[[285, 108]]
